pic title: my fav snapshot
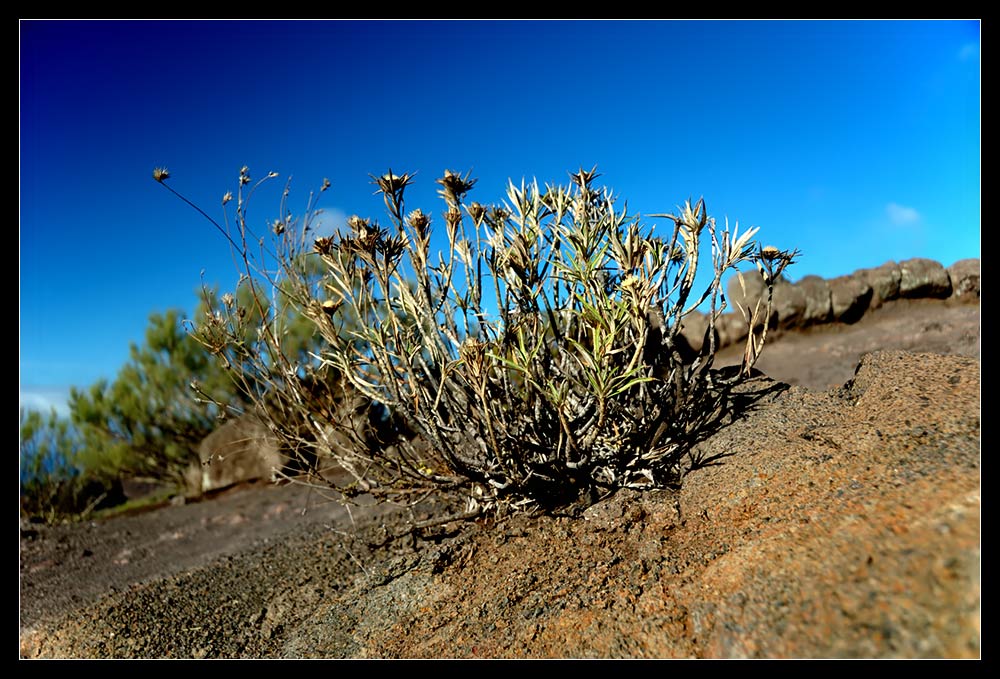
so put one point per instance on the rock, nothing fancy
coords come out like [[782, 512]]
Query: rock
[[748, 295], [819, 304], [789, 303], [921, 277], [731, 328], [964, 275], [694, 329], [849, 298], [884, 281], [240, 450]]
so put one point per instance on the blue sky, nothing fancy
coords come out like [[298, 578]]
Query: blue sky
[[856, 142]]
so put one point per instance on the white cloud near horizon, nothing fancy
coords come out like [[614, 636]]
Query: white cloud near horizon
[[901, 215], [44, 399]]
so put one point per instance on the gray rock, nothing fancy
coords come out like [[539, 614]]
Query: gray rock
[[694, 329], [240, 450], [849, 298], [964, 275], [748, 295], [884, 281], [731, 328], [789, 303], [819, 304], [921, 277]]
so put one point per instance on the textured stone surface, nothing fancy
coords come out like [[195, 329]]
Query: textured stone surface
[[240, 450], [819, 305], [694, 329], [732, 329], [789, 303], [837, 524], [749, 294], [884, 281], [964, 275], [849, 298], [921, 277]]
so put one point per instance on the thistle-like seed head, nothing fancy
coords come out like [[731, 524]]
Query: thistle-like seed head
[[358, 225], [454, 187], [453, 218], [323, 245], [161, 174], [392, 184], [477, 212], [770, 253], [419, 222]]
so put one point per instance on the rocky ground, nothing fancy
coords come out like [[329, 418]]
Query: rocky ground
[[837, 515]]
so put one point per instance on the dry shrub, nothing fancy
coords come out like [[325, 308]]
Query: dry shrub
[[537, 358]]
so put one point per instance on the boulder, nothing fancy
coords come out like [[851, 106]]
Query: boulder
[[964, 275], [849, 298], [731, 328], [921, 277], [819, 304], [747, 296], [694, 332], [789, 303], [884, 281], [240, 450]]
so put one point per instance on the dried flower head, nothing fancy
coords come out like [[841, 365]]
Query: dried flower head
[[330, 307], [226, 197], [419, 222], [161, 174], [453, 217], [477, 212], [358, 225], [278, 226], [473, 354], [769, 252], [497, 216], [392, 184], [323, 245], [244, 175], [454, 187], [326, 184], [228, 300]]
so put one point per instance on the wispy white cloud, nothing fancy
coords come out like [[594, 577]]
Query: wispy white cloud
[[968, 51], [44, 399], [901, 215]]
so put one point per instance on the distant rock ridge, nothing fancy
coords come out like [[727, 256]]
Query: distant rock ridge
[[845, 299]]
